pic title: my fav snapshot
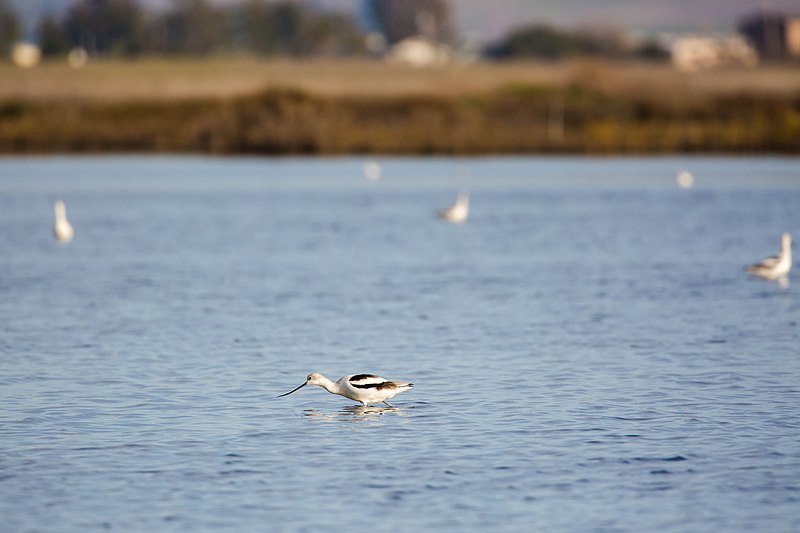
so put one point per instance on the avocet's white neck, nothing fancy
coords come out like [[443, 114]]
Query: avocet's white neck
[[325, 383], [60, 211], [786, 245], [330, 386]]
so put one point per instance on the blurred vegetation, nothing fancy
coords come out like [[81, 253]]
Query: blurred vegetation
[[546, 42], [9, 28], [191, 105], [518, 118], [112, 27], [401, 19], [121, 28], [125, 29]]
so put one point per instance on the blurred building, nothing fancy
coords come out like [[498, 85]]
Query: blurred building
[[692, 53], [774, 35], [793, 36], [420, 52], [26, 55]]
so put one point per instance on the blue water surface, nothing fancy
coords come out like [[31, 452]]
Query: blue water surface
[[587, 351]]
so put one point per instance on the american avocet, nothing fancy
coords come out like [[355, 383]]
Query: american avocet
[[62, 228], [459, 211], [364, 388], [775, 267]]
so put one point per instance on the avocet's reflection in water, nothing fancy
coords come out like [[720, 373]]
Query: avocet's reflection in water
[[356, 413]]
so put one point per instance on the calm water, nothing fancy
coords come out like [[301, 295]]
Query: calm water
[[587, 352]]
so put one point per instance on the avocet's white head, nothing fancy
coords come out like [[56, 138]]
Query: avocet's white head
[[313, 378], [786, 241]]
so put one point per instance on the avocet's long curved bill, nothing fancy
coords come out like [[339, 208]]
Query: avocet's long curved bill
[[295, 390]]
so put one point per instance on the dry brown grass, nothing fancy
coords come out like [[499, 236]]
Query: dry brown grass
[[227, 77], [321, 107]]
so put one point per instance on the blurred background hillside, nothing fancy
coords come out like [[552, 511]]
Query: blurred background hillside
[[541, 76], [507, 28], [490, 20]]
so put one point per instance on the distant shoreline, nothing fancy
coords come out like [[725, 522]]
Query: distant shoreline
[[331, 109]]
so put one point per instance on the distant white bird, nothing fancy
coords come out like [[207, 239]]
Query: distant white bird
[[62, 229], [458, 212], [775, 267], [364, 388], [684, 179], [372, 170]]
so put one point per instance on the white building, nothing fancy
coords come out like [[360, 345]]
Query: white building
[[692, 53], [420, 52], [26, 55]]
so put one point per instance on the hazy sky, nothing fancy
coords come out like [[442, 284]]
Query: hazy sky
[[490, 18]]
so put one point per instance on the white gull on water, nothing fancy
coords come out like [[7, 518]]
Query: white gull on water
[[364, 388], [459, 211], [62, 229], [775, 267]]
